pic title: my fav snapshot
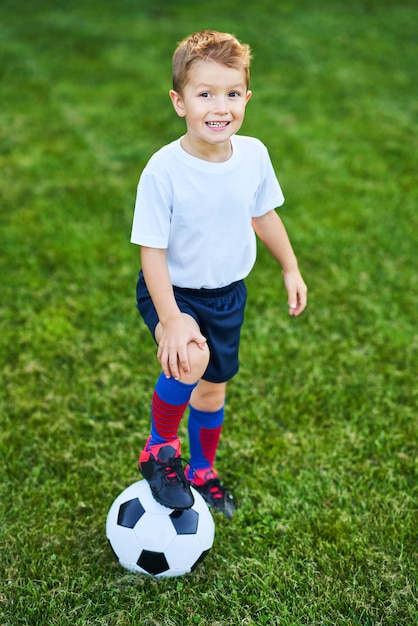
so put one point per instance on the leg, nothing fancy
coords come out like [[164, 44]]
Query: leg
[[159, 462], [171, 396], [205, 426], [205, 423]]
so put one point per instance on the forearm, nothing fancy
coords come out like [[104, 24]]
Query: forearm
[[173, 333], [157, 279], [271, 231]]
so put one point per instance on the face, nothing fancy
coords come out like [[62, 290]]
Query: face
[[213, 103]]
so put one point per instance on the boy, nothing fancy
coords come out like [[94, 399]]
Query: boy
[[200, 201]]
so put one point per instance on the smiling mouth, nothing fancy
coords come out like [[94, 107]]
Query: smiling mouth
[[217, 124]]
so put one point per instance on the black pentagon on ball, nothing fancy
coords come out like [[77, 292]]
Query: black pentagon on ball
[[200, 559], [185, 522], [130, 513], [153, 562]]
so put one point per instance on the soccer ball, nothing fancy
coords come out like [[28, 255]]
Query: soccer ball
[[149, 538]]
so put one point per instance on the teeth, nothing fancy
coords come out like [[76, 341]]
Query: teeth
[[217, 124]]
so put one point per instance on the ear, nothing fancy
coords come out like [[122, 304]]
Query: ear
[[178, 103], [248, 96]]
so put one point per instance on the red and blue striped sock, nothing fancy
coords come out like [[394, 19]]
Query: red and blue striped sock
[[169, 403], [204, 432]]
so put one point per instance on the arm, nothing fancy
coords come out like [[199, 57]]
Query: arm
[[172, 334], [271, 231]]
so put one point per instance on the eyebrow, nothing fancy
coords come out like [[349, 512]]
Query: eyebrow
[[230, 88]]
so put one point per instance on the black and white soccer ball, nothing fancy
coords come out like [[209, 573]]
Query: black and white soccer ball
[[149, 538]]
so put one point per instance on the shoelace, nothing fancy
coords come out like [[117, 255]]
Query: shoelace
[[173, 471], [216, 489]]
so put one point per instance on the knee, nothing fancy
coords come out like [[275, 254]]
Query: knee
[[208, 396], [198, 362]]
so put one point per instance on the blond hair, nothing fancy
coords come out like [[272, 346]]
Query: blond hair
[[209, 45]]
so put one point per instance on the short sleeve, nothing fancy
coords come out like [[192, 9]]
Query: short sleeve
[[269, 195], [153, 208]]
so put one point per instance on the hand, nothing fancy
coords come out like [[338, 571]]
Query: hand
[[173, 339], [296, 291]]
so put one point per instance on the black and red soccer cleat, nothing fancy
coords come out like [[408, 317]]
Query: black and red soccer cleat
[[207, 483], [161, 466]]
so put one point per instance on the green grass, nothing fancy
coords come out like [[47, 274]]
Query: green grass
[[321, 427]]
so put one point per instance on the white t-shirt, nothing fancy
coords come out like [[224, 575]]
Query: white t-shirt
[[201, 212]]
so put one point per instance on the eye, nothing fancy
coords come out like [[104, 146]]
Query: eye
[[205, 94]]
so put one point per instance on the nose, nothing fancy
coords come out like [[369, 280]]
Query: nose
[[221, 105]]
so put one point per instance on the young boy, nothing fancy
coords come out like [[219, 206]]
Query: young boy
[[200, 201]]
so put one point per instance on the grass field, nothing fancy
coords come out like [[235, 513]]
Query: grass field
[[321, 424]]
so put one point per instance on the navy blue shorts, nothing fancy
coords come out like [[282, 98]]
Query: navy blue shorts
[[219, 314]]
